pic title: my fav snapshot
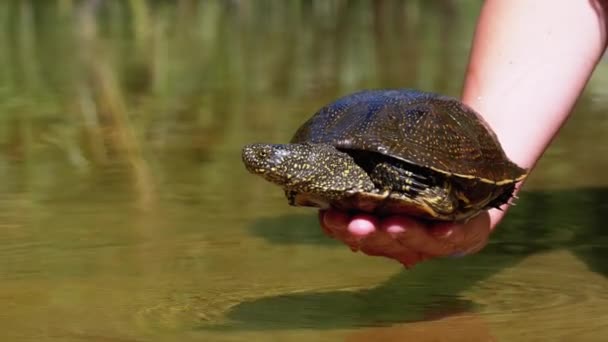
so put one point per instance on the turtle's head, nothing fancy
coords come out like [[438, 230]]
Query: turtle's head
[[305, 167], [277, 163]]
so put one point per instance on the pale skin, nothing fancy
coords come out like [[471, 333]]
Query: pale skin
[[529, 63]]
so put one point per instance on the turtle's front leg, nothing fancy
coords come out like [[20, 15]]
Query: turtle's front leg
[[390, 177], [440, 197]]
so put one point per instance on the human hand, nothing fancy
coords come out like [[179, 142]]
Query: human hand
[[405, 239]]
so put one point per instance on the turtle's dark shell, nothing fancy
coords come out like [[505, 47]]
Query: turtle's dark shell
[[420, 128], [392, 152]]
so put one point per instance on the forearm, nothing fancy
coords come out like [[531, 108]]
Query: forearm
[[529, 62]]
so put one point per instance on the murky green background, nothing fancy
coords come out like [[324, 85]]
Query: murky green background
[[125, 213]]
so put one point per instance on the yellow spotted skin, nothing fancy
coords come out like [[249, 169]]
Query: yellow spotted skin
[[315, 169], [392, 151]]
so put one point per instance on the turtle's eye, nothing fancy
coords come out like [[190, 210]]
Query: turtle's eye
[[263, 153], [257, 156]]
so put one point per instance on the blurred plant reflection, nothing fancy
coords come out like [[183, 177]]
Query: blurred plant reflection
[[121, 124]]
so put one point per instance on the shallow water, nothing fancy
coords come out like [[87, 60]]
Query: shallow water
[[126, 215]]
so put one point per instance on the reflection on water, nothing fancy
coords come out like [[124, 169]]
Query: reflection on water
[[126, 215], [435, 290]]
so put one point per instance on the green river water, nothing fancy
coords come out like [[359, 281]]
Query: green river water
[[126, 214]]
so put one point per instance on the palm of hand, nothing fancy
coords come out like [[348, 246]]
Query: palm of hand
[[405, 239]]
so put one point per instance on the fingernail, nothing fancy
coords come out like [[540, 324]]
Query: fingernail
[[447, 233], [361, 226], [395, 230], [443, 232]]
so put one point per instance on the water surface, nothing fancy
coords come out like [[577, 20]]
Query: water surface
[[126, 215]]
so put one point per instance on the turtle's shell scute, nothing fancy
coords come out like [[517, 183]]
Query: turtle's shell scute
[[426, 129]]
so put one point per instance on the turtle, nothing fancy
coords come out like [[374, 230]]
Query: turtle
[[392, 152]]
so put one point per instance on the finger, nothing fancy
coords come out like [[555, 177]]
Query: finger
[[324, 227], [408, 257], [334, 219], [476, 234], [362, 225], [410, 260], [416, 236], [363, 234], [451, 233], [466, 238], [360, 228], [382, 244]]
